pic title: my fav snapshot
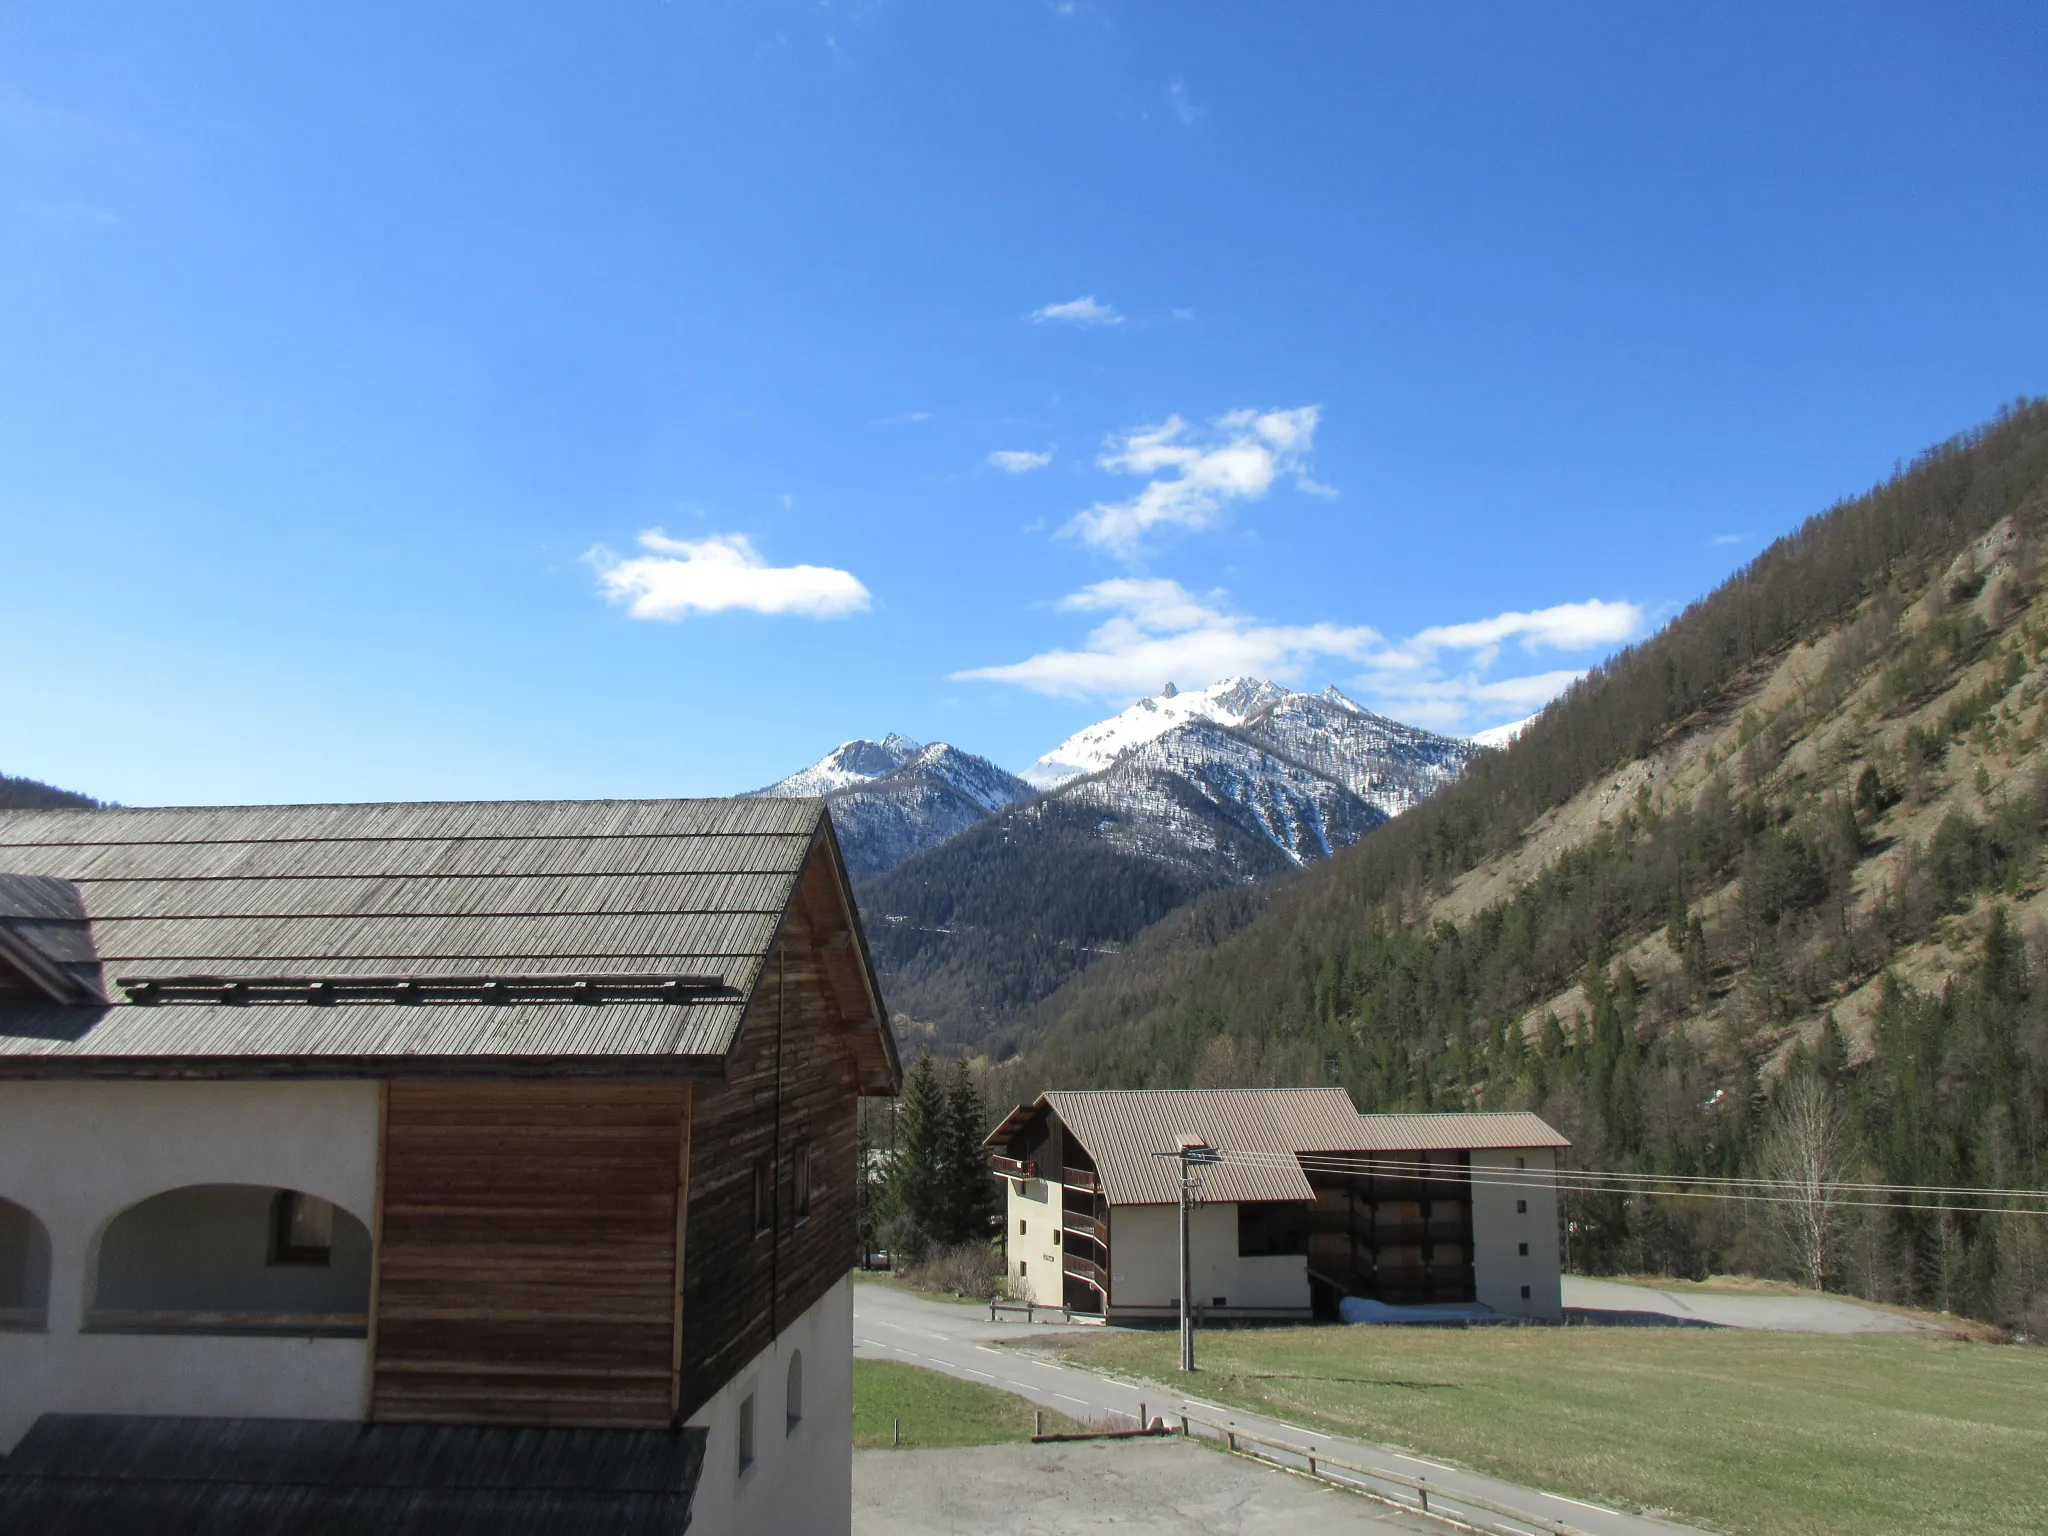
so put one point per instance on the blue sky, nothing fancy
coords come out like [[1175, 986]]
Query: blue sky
[[640, 399]]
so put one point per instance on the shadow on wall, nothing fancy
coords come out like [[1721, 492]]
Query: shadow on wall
[[24, 1271], [233, 1258]]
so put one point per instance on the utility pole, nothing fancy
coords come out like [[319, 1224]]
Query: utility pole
[[1193, 1154]]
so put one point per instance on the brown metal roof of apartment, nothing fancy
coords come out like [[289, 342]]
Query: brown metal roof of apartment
[[1124, 1129], [337, 938]]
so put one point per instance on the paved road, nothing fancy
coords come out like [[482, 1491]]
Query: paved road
[[1160, 1487], [1592, 1300], [958, 1340]]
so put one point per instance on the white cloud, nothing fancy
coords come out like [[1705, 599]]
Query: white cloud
[[1729, 538], [1566, 627], [1412, 681], [1017, 462], [681, 577], [907, 419], [1158, 629], [1195, 475], [1082, 311], [1183, 107]]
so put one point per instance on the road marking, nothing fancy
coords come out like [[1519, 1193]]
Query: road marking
[[1081, 1400]]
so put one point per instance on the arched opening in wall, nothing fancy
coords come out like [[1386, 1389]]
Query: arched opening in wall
[[24, 1271], [793, 1399], [233, 1258]]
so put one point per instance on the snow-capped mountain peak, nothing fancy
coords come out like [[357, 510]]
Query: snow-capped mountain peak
[[1230, 702], [849, 763]]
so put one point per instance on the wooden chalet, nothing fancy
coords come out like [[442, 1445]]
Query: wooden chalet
[[393, 1151]]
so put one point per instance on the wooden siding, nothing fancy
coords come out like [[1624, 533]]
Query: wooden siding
[[793, 1082], [528, 1256]]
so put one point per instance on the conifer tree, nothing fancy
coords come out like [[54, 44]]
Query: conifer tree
[[970, 1190], [920, 1174]]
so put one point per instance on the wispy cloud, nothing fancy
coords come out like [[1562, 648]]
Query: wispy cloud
[[1157, 629], [1017, 461], [1184, 108], [906, 419], [1082, 311], [678, 578], [1441, 677], [1729, 538], [1194, 475]]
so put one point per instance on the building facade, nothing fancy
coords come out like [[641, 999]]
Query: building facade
[[482, 1120], [1310, 1203]]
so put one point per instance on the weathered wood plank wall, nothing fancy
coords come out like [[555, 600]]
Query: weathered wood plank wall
[[792, 1084], [527, 1271]]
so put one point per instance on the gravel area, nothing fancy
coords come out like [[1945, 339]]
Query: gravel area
[[1160, 1487]]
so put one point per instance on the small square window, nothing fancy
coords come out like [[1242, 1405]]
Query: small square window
[[1020, 1266], [1021, 1225], [746, 1436], [1219, 1301], [764, 1197], [1521, 1207], [301, 1229], [1525, 1293], [1525, 1250], [1521, 1162], [1055, 1239]]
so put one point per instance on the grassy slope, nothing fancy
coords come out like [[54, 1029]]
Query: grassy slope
[[937, 1410], [1785, 1434]]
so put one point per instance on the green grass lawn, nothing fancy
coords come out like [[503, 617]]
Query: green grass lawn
[[1750, 1432], [936, 1409]]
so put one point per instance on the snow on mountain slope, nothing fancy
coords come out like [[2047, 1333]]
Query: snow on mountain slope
[[1095, 748], [1389, 765], [1501, 735], [853, 762], [1215, 799], [1190, 776], [893, 798]]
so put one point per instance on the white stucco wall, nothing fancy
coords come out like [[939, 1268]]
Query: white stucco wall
[[77, 1154], [801, 1481], [1144, 1255], [1033, 1213], [1499, 1268]]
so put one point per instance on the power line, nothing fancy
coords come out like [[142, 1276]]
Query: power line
[[1841, 1195]]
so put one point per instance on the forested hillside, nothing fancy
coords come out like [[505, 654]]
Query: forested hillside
[[34, 795], [1789, 850]]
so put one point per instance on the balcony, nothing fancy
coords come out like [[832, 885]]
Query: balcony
[[1013, 1168], [1088, 1270], [1080, 1178], [1082, 1225]]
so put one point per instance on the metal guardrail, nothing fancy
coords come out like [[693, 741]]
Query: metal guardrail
[[1452, 1504]]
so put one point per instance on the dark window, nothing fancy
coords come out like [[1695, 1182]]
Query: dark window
[[746, 1435], [1525, 1250], [802, 1193], [301, 1229], [1020, 1226], [1020, 1266], [793, 1397], [1521, 1207], [1219, 1301], [764, 1197], [1525, 1293], [1269, 1227], [1055, 1239]]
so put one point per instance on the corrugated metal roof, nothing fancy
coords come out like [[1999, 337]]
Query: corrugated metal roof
[[1461, 1132], [1123, 1129], [675, 887], [113, 1475]]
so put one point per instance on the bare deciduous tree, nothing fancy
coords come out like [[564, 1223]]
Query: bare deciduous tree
[[1808, 1154]]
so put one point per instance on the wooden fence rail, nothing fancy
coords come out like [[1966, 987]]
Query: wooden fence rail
[[1451, 1504]]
